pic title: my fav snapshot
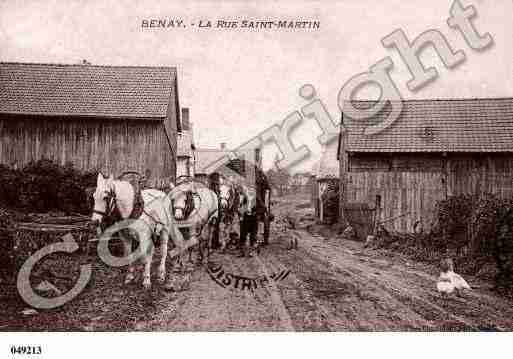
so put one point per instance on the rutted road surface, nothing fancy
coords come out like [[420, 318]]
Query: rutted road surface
[[333, 285], [327, 284], [329, 288]]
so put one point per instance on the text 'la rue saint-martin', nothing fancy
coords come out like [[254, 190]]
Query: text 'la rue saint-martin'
[[170, 23]]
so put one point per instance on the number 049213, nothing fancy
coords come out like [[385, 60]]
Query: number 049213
[[26, 349]]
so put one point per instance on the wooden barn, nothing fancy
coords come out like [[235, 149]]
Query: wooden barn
[[325, 186], [435, 149], [109, 118]]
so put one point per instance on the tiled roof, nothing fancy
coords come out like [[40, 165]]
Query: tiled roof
[[85, 90], [470, 125], [207, 158], [328, 166]]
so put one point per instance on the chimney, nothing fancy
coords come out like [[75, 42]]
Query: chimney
[[185, 119], [223, 146]]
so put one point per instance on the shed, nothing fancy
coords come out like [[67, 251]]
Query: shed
[[109, 118], [433, 150]]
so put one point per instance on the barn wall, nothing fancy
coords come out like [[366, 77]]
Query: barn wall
[[314, 194], [112, 146], [480, 174], [172, 122], [411, 184], [415, 193]]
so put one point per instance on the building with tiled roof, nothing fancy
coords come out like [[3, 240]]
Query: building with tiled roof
[[327, 166], [185, 153], [433, 150], [474, 125], [239, 165], [110, 118]]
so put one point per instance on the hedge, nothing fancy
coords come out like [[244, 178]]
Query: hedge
[[475, 231], [45, 186]]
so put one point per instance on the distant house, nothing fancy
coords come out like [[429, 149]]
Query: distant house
[[225, 162], [110, 118], [300, 182], [435, 149], [325, 186], [186, 148]]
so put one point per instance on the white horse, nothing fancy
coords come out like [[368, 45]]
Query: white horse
[[196, 207], [247, 200], [230, 195], [118, 198]]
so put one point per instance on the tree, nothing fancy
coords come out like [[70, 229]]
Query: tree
[[279, 178]]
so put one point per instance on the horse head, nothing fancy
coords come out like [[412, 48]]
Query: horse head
[[104, 198], [246, 200], [226, 195], [183, 204]]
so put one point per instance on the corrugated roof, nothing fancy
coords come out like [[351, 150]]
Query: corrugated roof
[[469, 125], [85, 90], [328, 165]]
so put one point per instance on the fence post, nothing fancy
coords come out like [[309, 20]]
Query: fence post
[[377, 214]]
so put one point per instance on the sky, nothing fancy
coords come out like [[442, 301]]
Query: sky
[[238, 82]]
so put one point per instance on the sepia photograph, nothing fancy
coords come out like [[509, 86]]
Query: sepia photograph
[[223, 167]]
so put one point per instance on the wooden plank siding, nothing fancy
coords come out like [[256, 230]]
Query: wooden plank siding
[[411, 184], [111, 146], [401, 192], [314, 196], [480, 174]]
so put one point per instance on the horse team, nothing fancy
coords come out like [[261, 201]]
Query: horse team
[[207, 218]]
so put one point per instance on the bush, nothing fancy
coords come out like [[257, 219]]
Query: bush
[[45, 186], [7, 266], [470, 224], [475, 231]]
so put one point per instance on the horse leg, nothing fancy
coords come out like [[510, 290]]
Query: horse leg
[[190, 250], [147, 258], [222, 236], [178, 262], [200, 250], [127, 250], [164, 239], [231, 240], [208, 242]]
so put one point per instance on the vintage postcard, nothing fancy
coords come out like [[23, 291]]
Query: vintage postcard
[[243, 166]]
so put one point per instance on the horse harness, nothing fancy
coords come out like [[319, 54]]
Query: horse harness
[[113, 215], [188, 206], [228, 215]]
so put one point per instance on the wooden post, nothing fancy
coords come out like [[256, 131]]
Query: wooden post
[[321, 210], [445, 191], [344, 168], [445, 170], [377, 214]]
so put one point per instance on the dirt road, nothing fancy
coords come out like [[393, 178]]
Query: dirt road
[[330, 288], [327, 284]]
